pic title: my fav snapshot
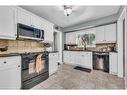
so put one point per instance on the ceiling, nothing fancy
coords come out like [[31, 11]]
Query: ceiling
[[80, 14]]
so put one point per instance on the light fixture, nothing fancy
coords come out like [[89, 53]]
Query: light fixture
[[67, 10]]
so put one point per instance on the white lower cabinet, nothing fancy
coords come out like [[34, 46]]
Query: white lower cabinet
[[10, 72], [78, 58], [84, 59], [69, 57], [53, 63], [113, 63]]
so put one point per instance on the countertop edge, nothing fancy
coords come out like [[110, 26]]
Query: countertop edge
[[92, 51]]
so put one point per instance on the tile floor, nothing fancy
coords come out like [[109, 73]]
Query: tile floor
[[68, 78]]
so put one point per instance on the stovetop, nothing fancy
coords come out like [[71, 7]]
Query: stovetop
[[29, 55]]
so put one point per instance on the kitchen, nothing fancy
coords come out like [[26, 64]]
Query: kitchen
[[93, 48]]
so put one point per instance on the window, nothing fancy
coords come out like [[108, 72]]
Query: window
[[86, 40]]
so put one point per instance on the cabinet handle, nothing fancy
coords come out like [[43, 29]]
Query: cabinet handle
[[5, 62], [18, 65]]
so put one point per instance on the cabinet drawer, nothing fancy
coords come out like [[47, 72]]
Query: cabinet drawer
[[9, 61], [54, 55], [85, 53]]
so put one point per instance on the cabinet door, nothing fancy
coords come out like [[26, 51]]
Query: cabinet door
[[48, 31], [10, 78], [24, 17], [10, 72], [81, 59], [110, 33], [113, 63], [72, 57], [36, 22], [53, 66], [7, 22], [78, 58], [100, 34], [71, 38], [66, 57], [86, 60], [69, 57]]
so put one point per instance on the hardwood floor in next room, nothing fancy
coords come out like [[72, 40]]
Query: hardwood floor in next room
[[68, 78]]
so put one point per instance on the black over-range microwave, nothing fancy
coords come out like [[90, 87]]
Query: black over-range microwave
[[28, 32]]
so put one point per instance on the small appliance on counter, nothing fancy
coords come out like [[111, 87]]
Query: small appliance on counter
[[69, 46], [114, 48], [48, 46], [2, 49]]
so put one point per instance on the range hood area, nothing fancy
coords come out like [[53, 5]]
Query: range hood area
[[28, 32]]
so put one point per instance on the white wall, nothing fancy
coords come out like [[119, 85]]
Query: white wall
[[120, 41], [120, 48]]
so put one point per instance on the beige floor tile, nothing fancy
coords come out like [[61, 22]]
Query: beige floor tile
[[36, 87], [68, 78]]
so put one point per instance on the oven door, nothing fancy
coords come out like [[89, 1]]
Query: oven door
[[28, 68]]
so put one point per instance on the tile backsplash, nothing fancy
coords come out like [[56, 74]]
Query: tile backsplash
[[20, 46]]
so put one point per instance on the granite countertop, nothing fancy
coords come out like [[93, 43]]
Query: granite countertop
[[52, 51], [9, 54], [80, 50], [15, 54], [90, 51], [18, 54]]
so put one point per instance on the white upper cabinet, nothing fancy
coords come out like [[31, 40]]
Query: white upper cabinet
[[27, 18], [100, 34], [48, 31], [7, 22], [110, 33], [36, 22], [24, 17], [106, 34], [30, 19], [71, 38]]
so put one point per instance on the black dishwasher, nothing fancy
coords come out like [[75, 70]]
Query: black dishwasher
[[101, 61]]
